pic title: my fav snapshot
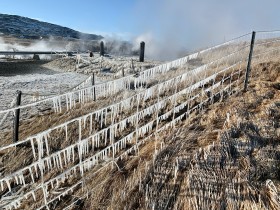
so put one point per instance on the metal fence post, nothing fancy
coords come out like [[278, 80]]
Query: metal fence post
[[16, 118], [249, 61], [93, 84]]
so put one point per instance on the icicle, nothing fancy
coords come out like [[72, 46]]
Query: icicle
[[80, 129], [105, 136], [49, 165], [16, 178], [33, 149], [90, 128], [21, 178], [31, 174], [64, 156], [45, 194], [36, 170], [46, 143], [66, 99], [73, 153], [33, 195], [113, 147], [8, 184], [101, 121], [79, 96], [60, 161], [54, 104], [85, 120], [55, 163], [40, 146], [66, 133], [98, 140]]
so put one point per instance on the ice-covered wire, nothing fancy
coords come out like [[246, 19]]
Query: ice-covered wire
[[120, 124], [62, 176], [145, 74]]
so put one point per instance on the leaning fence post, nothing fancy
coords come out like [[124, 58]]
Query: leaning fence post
[[249, 61], [16, 118], [142, 52], [93, 84]]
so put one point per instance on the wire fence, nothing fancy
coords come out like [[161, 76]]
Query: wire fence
[[129, 83], [102, 137]]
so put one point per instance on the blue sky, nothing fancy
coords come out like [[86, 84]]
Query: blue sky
[[180, 23], [83, 15]]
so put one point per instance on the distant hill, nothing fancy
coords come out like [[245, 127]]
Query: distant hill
[[23, 27]]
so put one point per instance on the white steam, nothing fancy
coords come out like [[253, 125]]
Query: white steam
[[30, 45], [157, 48], [170, 26], [50, 44]]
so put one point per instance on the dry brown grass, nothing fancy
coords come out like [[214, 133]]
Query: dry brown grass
[[248, 111]]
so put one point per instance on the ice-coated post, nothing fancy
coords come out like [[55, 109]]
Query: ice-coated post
[[142, 52], [249, 61], [101, 48], [93, 84], [16, 118], [123, 72]]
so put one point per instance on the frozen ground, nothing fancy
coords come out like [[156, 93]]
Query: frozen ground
[[32, 78], [107, 66], [51, 77]]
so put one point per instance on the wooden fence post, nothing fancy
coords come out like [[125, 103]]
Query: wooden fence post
[[249, 61], [16, 117], [93, 84], [142, 52], [102, 48]]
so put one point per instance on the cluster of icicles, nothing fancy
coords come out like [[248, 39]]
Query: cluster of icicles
[[63, 157], [110, 88], [105, 89], [45, 161], [145, 95]]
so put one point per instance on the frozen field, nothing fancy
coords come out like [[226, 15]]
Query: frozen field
[[32, 78]]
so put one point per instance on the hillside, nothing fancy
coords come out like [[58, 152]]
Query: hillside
[[226, 157], [23, 27], [181, 135]]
